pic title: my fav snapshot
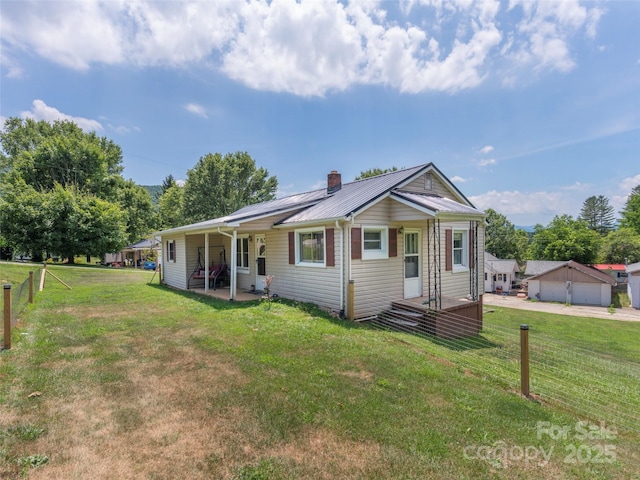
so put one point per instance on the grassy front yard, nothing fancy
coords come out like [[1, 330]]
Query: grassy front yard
[[120, 379]]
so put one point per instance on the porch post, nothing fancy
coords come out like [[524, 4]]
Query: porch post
[[206, 262], [234, 247]]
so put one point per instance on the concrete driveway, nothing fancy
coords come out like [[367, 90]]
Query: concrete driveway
[[624, 314]]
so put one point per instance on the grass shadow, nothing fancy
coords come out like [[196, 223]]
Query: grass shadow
[[220, 304]]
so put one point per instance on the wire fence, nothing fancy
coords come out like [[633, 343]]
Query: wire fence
[[596, 386], [20, 297]]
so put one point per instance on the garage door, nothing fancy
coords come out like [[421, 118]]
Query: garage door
[[586, 294], [553, 291]]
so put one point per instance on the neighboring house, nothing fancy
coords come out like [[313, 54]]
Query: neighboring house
[[135, 254], [616, 270], [572, 283], [633, 287], [499, 275], [353, 248], [536, 267]]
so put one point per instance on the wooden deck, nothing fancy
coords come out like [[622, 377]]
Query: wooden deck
[[456, 319]]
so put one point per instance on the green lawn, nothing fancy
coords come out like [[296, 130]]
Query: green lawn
[[117, 378]]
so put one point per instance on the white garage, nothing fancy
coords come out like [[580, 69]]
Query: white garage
[[553, 291], [572, 283], [633, 287]]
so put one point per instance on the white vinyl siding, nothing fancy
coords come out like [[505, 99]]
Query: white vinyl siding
[[174, 273], [377, 282], [437, 187], [455, 283], [304, 283]]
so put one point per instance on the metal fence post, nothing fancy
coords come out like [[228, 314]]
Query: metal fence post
[[7, 317], [31, 287], [524, 360]]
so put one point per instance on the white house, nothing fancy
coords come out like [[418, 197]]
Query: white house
[[633, 285], [572, 283], [353, 248], [499, 275]]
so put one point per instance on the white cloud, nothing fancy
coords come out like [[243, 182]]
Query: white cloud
[[629, 183], [308, 48], [485, 162], [196, 109], [579, 187], [457, 179], [539, 204], [486, 149], [41, 111]]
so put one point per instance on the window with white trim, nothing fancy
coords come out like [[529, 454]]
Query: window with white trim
[[460, 251], [242, 253], [171, 251], [310, 247], [375, 242]]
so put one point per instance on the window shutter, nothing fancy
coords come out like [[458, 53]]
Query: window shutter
[[472, 250], [448, 239], [356, 243], [292, 248], [329, 245], [393, 242]]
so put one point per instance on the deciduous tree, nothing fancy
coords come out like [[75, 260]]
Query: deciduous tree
[[502, 239], [62, 190], [170, 207], [621, 246], [565, 239], [631, 212], [372, 172], [219, 185]]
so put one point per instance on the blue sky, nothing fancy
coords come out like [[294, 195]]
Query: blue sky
[[528, 107]]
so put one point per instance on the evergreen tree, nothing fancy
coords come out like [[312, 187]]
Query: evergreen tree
[[598, 214]]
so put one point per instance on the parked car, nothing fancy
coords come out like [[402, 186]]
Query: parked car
[[149, 265]]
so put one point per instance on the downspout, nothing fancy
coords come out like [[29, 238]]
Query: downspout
[[232, 289], [342, 270], [206, 262]]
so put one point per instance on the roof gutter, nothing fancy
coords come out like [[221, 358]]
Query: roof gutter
[[310, 222]]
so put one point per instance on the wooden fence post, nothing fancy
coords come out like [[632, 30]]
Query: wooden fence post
[[7, 317], [350, 300], [524, 360], [31, 287]]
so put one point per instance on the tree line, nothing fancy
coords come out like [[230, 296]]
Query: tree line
[[62, 192], [595, 236]]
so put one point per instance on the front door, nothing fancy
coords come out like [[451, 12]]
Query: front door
[[412, 277], [261, 259]]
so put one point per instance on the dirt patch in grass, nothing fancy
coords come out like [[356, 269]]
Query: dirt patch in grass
[[155, 423]]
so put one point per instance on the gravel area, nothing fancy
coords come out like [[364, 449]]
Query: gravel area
[[624, 314]]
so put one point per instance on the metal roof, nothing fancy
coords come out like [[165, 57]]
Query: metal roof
[[633, 267], [271, 207], [353, 196], [318, 205], [501, 266], [436, 203], [592, 272], [536, 267]]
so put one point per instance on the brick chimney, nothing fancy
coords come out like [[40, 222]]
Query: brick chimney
[[334, 181]]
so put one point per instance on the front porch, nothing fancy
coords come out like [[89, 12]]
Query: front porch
[[224, 294]]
